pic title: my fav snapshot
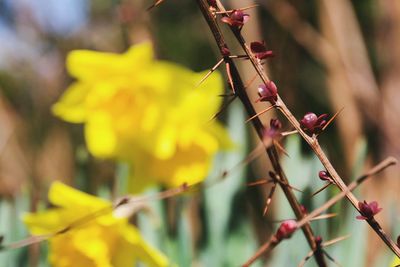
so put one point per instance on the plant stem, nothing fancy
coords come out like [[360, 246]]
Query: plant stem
[[273, 241], [268, 246], [240, 91], [313, 142]]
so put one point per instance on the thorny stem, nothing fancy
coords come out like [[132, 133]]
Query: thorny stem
[[313, 142], [273, 155], [240, 91], [273, 241]]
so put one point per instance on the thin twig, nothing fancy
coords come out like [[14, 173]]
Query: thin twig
[[272, 242]]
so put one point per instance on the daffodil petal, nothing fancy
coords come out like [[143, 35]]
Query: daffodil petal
[[142, 251], [43, 222], [138, 107], [89, 65], [101, 241], [395, 262], [100, 136], [166, 143], [64, 196], [71, 106]]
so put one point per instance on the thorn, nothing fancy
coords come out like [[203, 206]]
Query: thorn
[[239, 56], [242, 9], [122, 201], [334, 241], [228, 71], [331, 119], [269, 199], [321, 189], [331, 259], [295, 188], [288, 185], [251, 81], [259, 182], [211, 71], [260, 113], [280, 148], [303, 262], [253, 154], [157, 3], [224, 106], [289, 133], [324, 216]]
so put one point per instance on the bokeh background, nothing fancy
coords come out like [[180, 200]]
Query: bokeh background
[[329, 55]]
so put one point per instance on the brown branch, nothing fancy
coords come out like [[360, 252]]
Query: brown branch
[[241, 93], [99, 213], [312, 215], [313, 142], [268, 246]]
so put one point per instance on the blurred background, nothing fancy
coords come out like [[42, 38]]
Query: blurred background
[[329, 55]]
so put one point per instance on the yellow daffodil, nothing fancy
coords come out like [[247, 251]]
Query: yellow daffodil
[[146, 112], [105, 241], [395, 262]]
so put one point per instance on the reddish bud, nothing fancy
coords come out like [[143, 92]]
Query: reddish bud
[[260, 51], [268, 92], [225, 51], [318, 240], [286, 229], [303, 209], [312, 124], [273, 131], [275, 124], [236, 19], [325, 176], [212, 3], [368, 210]]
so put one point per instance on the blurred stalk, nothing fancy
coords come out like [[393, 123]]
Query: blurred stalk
[[389, 112], [343, 85]]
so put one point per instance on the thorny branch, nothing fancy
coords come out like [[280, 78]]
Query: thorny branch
[[240, 91], [312, 141], [280, 105], [274, 241]]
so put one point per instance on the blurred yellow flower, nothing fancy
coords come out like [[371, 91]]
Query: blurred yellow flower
[[395, 262], [145, 112], [105, 241]]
